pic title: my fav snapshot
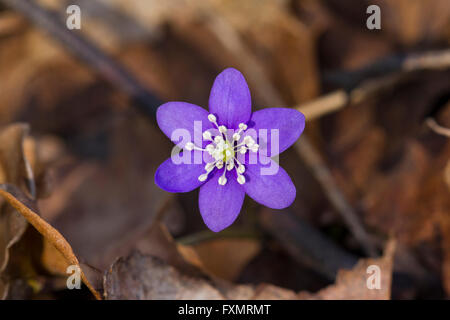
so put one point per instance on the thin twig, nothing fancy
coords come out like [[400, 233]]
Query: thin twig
[[367, 81], [313, 160], [325, 104], [431, 60], [87, 51], [362, 86], [432, 124]]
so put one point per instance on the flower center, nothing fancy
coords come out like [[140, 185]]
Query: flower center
[[223, 150]]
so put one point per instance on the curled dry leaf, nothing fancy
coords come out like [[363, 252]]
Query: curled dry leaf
[[145, 277], [148, 278], [352, 284], [25, 206], [168, 270], [14, 169]]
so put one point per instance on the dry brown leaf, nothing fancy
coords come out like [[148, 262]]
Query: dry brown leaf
[[145, 277], [158, 242], [165, 273], [352, 284], [224, 258], [148, 278], [13, 169], [22, 204]]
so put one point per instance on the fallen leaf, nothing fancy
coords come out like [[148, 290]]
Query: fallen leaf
[[148, 278], [352, 284], [143, 277], [19, 201], [13, 169]]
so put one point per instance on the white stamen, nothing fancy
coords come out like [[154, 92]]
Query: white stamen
[[224, 150], [212, 118], [209, 166], [218, 155], [189, 146], [210, 148], [254, 147], [218, 139], [207, 135], [249, 140], [242, 126], [222, 180]]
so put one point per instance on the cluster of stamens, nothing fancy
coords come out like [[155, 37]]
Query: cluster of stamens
[[224, 151]]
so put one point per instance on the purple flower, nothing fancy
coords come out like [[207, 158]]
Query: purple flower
[[229, 151]]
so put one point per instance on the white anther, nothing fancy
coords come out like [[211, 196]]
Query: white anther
[[223, 129], [230, 166], [228, 154], [219, 164], [236, 137], [218, 139], [254, 147], [222, 180], [207, 135], [210, 148], [209, 166], [241, 169], [242, 150], [189, 146], [241, 179], [218, 155], [212, 118], [242, 126], [203, 177], [249, 140]]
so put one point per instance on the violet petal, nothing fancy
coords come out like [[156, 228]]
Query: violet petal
[[230, 99], [220, 205], [289, 123], [274, 190], [182, 177], [176, 115]]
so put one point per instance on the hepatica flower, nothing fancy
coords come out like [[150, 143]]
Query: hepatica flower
[[229, 151]]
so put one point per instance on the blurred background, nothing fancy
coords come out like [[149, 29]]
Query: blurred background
[[372, 170]]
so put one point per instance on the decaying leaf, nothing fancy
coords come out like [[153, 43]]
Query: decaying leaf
[[148, 278], [14, 170], [19, 201], [144, 277], [354, 284]]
